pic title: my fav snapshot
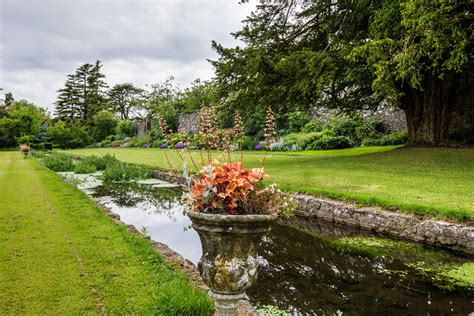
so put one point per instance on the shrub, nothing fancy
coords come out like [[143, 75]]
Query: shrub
[[73, 136], [48, 146], [39, 146], [397, 138], [299, 141], [313, 126], [38, 154], [326, 142], [58, 162], [105, 123], [25, 139], [125, 128], [117, 172], [344, 126], [296, 120], [248, 143], [85, 167], [369, 128], [157, 143]]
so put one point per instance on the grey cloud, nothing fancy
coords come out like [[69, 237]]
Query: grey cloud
[[49, 39]]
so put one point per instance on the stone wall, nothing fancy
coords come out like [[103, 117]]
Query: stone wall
[[392, 119], [189, 122], [454, 236], [143, 126]]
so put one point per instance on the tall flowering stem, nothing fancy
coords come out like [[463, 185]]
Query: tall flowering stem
[[269, 132], [163, 126], [208, 130], [239, 133]]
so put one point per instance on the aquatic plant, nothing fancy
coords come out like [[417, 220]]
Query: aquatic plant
[[119, 172], [84, 167], [58, 162], [100, 162]]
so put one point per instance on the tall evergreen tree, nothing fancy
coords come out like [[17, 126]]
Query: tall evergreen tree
[[83, 94], [67, 104]]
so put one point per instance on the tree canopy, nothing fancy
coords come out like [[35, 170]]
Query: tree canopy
[[412, 54]]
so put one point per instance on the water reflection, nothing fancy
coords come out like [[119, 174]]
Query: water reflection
[[160, 210], [301, 272], [305, 275]]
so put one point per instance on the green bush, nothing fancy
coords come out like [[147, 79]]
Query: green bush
[[25, 139], [369, 128], [84, 167], [296, 120], [58, 162], [139, 141], [344, 126], [313, 126], [300, 141], [248, 143], [38, 154], [326, 142], [69, 136], [48, 146], [105, 123], [397, 138], [125, 128], [118, 172], [39, 146], [100, 162]]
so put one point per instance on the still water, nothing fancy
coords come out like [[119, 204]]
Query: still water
[[301, 272]]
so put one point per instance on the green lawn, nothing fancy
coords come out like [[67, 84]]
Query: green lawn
[[437, 181], [60, 254]]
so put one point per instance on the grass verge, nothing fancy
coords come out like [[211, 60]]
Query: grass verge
[[433, 181], [61, 255]]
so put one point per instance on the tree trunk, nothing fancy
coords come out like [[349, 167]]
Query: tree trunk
[[429, 111]]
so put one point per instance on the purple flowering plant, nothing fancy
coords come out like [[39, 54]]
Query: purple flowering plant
[[180, 145]]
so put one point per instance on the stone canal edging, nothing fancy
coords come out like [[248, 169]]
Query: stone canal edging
[[444, 234], [454, 236]]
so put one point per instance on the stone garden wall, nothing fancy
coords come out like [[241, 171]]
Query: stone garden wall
[[189, 122], [403, 225], [393, 120]]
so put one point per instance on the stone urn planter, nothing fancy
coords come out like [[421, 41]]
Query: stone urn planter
[[229, 263]]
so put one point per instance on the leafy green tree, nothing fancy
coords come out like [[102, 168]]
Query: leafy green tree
[[7, 103], [413, 54], [163, 98], [105, 123], [22, 119], [200, 92], [59, 134], [9, 99], [124, 98]]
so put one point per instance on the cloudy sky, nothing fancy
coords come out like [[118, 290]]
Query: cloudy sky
[[138, 41]]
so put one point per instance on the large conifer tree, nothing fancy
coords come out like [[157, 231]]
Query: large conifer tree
[[83, 94], [413, 54]]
